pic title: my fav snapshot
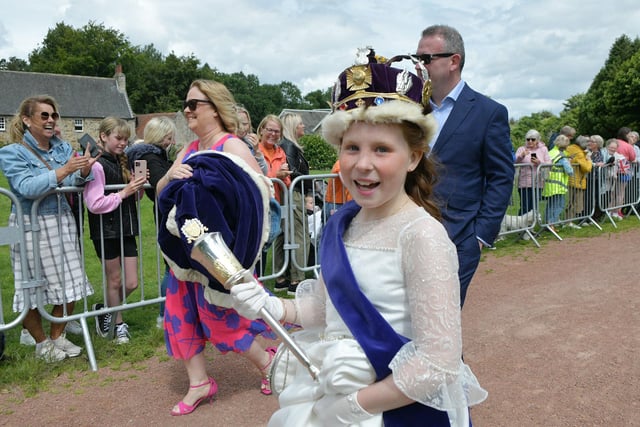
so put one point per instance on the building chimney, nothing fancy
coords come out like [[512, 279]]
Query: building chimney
[[121, 81]]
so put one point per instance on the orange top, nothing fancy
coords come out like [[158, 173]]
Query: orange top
[[336, 193], [275, 158]]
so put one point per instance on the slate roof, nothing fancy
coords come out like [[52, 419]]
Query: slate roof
[[310, 118], [77, 96]]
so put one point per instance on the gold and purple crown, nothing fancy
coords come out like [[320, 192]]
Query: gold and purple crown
[[372, 81]]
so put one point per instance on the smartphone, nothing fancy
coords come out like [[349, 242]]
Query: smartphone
[[140, 169], [534, 156], [85, 141]]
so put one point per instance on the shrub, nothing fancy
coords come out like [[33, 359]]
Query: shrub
[[318, 152]]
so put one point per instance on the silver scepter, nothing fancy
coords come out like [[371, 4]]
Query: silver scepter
[[212, 252]]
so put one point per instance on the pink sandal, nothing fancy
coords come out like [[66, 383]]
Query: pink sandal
[[265, 386], [184, 409]]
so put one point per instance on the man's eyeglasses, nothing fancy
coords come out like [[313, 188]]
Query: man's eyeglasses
[[531, 139], [426, 58], [275, 131], [45, 116], [192, 104]]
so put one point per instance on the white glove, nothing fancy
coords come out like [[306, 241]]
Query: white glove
[[249, 298], [338, 409]]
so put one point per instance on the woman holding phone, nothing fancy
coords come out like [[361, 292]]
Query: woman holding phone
[[113, 222], [530, 156]]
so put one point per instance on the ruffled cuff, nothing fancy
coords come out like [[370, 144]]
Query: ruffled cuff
[[425, 382], [310, 305]]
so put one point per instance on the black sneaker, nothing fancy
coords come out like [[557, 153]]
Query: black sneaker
[[103, 321], [292, 289], [281, 286]]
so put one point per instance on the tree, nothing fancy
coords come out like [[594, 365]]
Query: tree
[[319, 99], [92, 50], [603, 96], [14, 64]]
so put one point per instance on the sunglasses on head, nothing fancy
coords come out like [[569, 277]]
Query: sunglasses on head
[[45, 116], [426, 58], [192, 104]]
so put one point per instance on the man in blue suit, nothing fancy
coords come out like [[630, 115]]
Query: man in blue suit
[[473, 146]]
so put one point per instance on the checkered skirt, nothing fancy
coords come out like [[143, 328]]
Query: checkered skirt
[[61, 263]]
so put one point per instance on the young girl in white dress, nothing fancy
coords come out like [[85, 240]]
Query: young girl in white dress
[[382, 323]]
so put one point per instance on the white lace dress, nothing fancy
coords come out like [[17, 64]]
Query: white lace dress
[[407, 267]]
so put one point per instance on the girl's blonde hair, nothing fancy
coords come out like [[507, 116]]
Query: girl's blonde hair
[[110, 125], [157, 129]]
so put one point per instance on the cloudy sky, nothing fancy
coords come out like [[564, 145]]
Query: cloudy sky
[[529, 55]]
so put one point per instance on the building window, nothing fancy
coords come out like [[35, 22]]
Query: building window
[[3, 125], [78, 125]]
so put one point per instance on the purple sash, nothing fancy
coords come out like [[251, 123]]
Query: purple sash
[[374, 334]]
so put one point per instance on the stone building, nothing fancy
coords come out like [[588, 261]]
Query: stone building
[[83, 101]]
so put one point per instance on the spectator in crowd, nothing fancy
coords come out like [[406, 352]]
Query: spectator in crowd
[[269, 132], [617, 177], [596, 185], [113, 222], [293, 130], [314, 219], [473, 146], [245, 133], [196, 312], [36, 163], [632, 138], [387, 304], [625, 171], [335, 195], [567, 131], [159, 137], [556, 185], [530, 156], [578, 181]]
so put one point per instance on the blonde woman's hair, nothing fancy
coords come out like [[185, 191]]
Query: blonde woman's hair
[[223, 102], [157, 129], [268, 118], [109, 125], [290, 122], [17, 128]]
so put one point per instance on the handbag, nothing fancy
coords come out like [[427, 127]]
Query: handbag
[[72, 198]]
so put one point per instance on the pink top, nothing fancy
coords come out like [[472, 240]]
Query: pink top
[[626, 150], [97, 202]]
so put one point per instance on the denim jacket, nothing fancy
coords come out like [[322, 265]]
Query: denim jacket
[[29, 178]]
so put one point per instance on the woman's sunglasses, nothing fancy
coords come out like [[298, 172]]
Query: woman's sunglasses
[[45, 116], [192, 104]]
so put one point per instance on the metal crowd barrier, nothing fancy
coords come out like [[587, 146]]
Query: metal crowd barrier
[[10, 235], [606, 192]]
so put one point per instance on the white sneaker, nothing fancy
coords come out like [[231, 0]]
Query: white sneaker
[[574, 226], [26, 338], [62, 343], [73, 327], [122, 334], [49, 352], [160, 322]]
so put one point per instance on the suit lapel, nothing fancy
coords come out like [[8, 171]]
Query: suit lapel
[[460, 110]]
